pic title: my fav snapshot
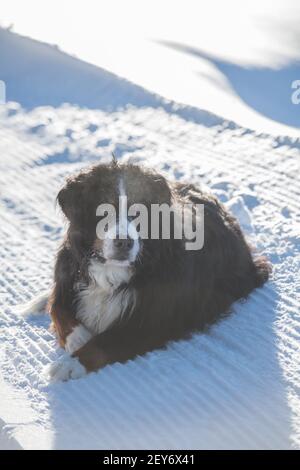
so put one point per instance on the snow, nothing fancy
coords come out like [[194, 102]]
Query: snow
[[236, 386], [235, 59]]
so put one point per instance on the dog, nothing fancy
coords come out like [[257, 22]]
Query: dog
[[115, 298]]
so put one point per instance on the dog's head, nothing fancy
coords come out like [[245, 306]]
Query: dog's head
[[94, 203]]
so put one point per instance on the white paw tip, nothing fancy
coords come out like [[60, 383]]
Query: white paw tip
[[65, 368]]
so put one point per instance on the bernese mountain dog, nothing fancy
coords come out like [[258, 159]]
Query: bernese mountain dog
[[117, 297]]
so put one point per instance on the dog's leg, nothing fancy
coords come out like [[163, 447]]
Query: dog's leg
[[115, 346], [96, 353], [101, 350], [72, 335], [86, 359], [63, 322]]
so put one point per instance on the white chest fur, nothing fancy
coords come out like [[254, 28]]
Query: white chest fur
[[100, 303]]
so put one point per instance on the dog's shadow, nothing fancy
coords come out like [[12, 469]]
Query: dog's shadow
[[220, 389]]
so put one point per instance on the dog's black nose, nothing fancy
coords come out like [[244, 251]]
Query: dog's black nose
[[123, 243]]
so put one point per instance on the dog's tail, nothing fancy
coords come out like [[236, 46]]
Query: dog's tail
[[36, 306]]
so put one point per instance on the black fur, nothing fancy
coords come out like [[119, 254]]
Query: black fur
[[177, 291]]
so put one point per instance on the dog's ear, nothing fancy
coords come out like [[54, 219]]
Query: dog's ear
[[70, 198]]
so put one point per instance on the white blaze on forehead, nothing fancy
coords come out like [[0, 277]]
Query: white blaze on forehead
[[123, 221], [123, 228]]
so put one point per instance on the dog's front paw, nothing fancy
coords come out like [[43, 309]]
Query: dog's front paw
[[65, 368]]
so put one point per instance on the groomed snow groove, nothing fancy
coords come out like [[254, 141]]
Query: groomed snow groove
[[236, 386]]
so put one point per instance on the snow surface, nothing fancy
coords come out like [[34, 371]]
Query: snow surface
[[235, 59], [234, 387]]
